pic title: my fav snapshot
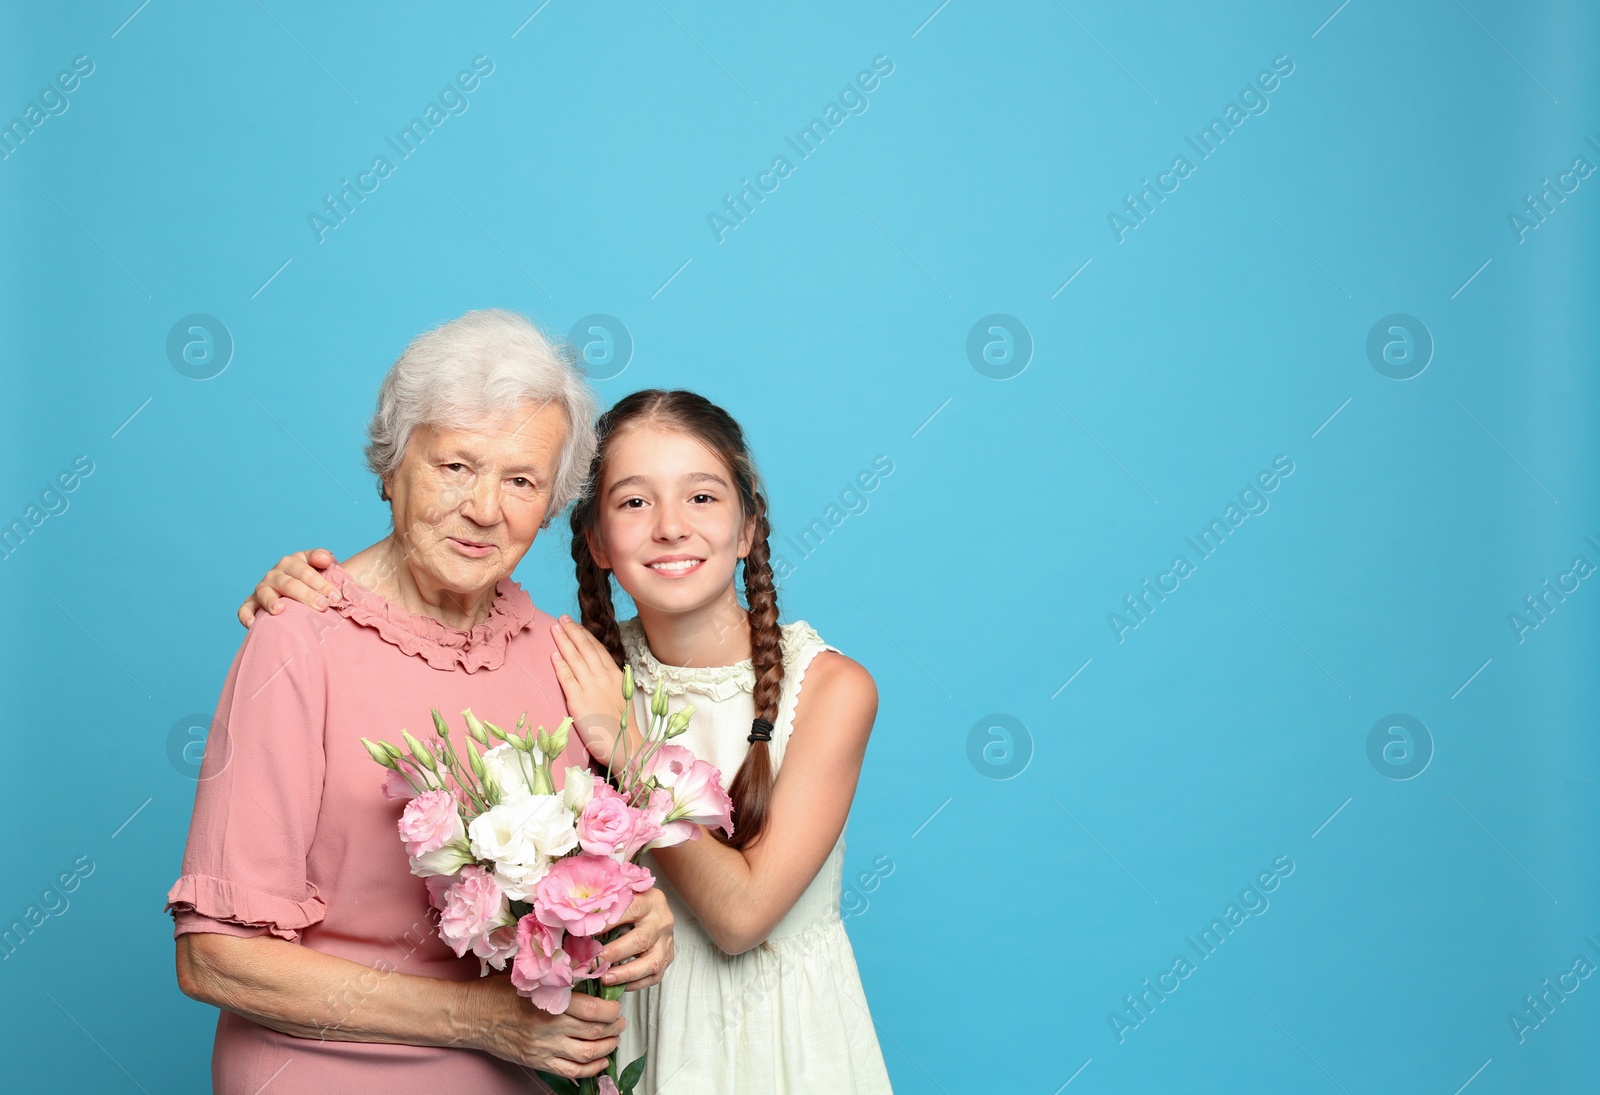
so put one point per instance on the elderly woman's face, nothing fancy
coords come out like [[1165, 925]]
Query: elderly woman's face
[[468, 503]]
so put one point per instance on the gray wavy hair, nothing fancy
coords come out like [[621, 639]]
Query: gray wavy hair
[[467, 372]]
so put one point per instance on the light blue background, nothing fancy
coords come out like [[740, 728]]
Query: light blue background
[[1230, 728]]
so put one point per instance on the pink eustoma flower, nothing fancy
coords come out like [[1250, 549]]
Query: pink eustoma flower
[[605, 825], [697, 793], [584, 894], [431, 821], [698, 797], [646, 829], [473, 907], [584, 951], [396, 788], [541, 970]]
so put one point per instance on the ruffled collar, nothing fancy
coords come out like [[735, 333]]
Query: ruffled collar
[[441, 646], [720, 682]]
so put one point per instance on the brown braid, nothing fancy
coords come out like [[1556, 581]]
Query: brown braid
[[708, 423], [595, 609], [752, 787]]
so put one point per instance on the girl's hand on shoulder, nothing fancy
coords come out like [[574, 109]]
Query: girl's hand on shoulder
[[297, 576], [592, 682]]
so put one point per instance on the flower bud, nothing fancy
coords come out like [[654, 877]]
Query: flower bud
[[419, 752], [541, 782], [558, 737], [475, 762], [440, 727], [627, 682], [475, 727], [679, 722], [658, 700], [378, 753]]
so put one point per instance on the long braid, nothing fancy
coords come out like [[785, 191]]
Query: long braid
[[595, 608], [752, 787]]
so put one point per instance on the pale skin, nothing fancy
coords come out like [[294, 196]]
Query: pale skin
[[666, 495], [467, 505], [308, 994]]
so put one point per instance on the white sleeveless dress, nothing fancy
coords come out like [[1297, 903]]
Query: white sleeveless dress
[[789, 1015]]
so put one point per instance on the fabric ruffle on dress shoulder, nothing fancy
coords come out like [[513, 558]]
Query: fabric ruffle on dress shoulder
[[719, 682], [441, 646]]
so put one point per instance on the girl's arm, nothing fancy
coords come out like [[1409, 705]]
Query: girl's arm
[[741, 895]]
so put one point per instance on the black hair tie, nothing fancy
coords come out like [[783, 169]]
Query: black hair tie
[[760, 730]]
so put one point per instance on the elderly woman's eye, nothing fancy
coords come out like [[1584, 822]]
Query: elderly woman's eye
[[521, 481]]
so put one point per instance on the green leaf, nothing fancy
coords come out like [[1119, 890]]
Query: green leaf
[[631, 1074], [559, 1084]]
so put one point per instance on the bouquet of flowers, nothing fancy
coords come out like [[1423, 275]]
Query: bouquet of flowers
[[535, 879]]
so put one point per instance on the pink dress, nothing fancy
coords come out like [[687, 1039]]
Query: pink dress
[[292, 836]]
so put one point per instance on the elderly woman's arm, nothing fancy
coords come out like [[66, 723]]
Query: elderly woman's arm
[[308, 994]]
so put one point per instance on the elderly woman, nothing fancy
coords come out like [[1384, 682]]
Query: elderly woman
[[296, 913]]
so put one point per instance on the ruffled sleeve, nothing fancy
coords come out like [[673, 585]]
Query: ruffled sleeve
[[259, 791]]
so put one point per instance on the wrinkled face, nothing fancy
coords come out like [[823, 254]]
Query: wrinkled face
[[669, 522], [468, 503]]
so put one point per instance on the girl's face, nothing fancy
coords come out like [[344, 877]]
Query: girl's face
[[669, 525]]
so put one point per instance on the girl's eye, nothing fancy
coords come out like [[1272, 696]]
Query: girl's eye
[[628, 503], [707, 497]]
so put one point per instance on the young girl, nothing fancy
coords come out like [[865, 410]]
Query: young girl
[[764, 994]]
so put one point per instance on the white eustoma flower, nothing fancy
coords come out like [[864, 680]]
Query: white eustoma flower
[[441, 861], [578, 789], [520, 838], [504, 766]]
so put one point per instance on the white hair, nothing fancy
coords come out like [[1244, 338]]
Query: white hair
[[469, 372]]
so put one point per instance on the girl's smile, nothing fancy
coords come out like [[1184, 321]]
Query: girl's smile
[[675, 566]]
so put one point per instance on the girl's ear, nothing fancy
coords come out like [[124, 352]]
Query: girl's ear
[[597, 549], [747, 536]]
